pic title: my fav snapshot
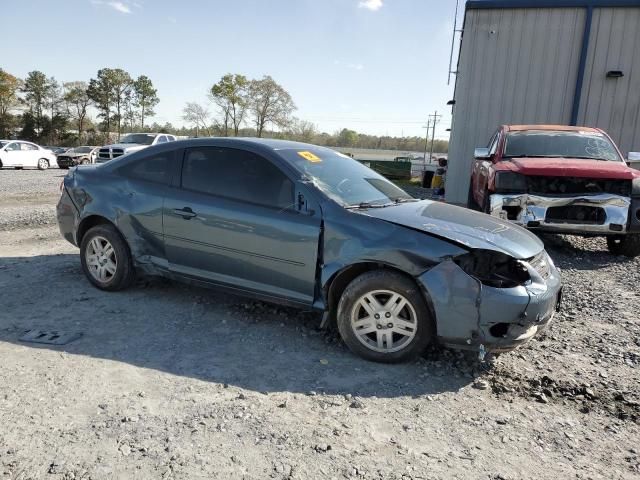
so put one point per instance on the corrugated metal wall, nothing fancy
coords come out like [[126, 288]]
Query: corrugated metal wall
[[609, 103], [515, 66]]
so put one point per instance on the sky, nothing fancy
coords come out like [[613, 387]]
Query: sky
[[374, 66]]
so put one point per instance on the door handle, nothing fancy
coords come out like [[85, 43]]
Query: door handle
[[185, 213]]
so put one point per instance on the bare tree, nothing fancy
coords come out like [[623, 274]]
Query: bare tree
[[303, 130], [198, 116], [78, 101], [269, 102]]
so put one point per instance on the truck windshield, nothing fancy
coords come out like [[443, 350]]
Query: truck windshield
[[140, 138], [343, 179], [560, 144]]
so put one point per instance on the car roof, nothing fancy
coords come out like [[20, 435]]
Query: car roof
[[563, 128], [269, 143]]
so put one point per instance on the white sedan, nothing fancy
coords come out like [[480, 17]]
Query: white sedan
[[19, 154]]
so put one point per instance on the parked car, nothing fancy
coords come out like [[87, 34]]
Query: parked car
[[21, 154], [132, 142], [559, 179], [77, 156], [56, 150], [307, 226]]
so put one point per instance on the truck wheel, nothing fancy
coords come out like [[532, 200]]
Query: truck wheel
[[627, 245], [471, 202], [486, 202], [105, 258], [383, 317]]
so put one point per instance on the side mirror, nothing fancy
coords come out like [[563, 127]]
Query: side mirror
[[482, 153], [633, 159]]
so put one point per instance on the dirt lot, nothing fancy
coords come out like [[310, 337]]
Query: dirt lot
[[169, 381]]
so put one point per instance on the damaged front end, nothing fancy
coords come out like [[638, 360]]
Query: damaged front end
[[489, 301], [565, 204]]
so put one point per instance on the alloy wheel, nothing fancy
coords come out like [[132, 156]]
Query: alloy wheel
[[101, 259], [384, 321]]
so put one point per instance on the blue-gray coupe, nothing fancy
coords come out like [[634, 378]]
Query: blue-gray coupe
[[307, 226]]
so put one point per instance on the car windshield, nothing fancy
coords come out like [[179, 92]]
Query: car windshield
[[140, 138], [81, 149], [560, 144], [343, 179]]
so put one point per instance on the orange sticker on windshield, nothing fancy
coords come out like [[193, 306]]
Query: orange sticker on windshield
[[310, 156]]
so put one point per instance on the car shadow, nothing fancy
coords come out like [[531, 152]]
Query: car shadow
[[204, 334]]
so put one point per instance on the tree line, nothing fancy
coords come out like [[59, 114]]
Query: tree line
[[41, 109]]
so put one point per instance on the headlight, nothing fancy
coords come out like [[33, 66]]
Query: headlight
[[494, 269], [510, 182], [635, 187]]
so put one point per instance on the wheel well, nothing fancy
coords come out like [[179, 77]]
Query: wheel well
[[345, 276], [90, 222]]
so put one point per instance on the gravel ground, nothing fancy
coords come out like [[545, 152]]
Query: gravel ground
[[170, 381]]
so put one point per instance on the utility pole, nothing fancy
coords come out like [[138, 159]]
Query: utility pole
[[434, 119], [426, 144]]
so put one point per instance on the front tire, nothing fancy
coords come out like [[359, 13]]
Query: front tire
[[105, 258], [383, 317], [43, 164], [627, 245], [471, 201]]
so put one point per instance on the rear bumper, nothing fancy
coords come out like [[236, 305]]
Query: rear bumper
[[532, 211], [469, 314]]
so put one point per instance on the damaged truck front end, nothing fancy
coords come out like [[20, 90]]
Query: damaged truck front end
[[567, 205]]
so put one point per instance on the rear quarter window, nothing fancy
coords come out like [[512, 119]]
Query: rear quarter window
[[153, 168]]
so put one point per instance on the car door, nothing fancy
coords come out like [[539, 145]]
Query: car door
[[31, 154], [233, 221], [12, 156]]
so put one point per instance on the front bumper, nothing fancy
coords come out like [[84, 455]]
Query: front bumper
[[66, 162], [469, 314], [533, 211]]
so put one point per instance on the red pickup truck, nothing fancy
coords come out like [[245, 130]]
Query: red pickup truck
[[559, 179]]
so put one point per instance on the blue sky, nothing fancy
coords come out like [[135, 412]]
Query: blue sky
[[376, 66]]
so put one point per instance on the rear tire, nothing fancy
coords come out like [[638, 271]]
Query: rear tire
[[43, 164], [105, 258], [382, 316], [627, 245], [471, 202], [84, 161]]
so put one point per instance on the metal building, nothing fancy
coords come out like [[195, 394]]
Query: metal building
[[573, 62]]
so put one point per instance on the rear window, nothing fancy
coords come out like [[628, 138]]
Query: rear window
[[155, 169], [560, 144]]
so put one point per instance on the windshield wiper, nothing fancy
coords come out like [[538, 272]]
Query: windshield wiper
[[405, 200], [364, 205]]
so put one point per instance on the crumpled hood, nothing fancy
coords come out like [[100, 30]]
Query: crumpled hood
[[571, 167], [463, 226]]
